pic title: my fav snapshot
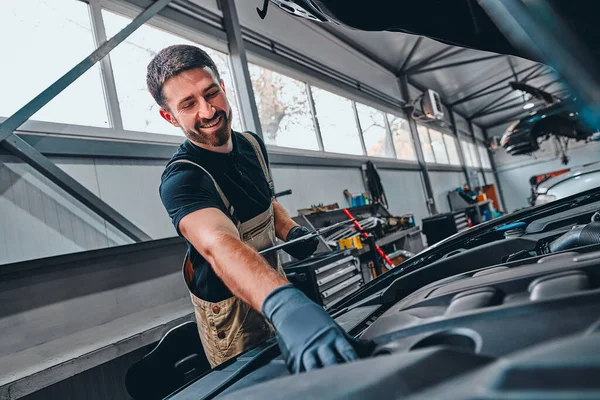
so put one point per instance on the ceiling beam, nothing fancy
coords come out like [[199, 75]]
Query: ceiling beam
[[508, 119], [501, 107], [557, 80], [533, 72], [539, 74], [512, 68], [498, 110], [456, 64], [481, 92], [410, 56], [489, 106], [564, 90], [443, 54]]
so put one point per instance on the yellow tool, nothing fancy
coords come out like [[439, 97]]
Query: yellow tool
[[350, 243]]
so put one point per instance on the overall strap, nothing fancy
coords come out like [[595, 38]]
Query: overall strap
[[228, 205], [261, 160]]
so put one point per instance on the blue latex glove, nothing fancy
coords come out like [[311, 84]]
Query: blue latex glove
[[303, 249], [308, 337]]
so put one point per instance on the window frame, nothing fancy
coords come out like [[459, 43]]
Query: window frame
[[215, 38], [456, 144], [443, 144], [412, 143], [387, 135]]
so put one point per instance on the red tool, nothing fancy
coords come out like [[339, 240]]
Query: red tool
[[365, 235]]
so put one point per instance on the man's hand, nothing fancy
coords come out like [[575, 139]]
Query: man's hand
[[302, 249], [308, 337]]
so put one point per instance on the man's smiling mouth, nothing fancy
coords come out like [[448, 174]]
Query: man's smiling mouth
[[216, 122]]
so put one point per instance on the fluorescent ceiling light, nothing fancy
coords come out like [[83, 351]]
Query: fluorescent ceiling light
[[528, 106]]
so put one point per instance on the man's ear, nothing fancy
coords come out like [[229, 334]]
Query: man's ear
[[223, 86], [168, 117]]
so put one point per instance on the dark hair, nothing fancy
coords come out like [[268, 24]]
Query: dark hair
[[172, 61]]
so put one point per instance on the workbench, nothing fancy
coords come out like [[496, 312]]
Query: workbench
[[405, 239]]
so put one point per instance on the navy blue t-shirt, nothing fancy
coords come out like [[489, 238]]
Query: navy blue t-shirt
[[185, 188]]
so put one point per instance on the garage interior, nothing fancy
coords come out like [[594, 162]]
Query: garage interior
[[89, 259]]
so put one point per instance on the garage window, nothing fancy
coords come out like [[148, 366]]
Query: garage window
[[474, 156], [426, 144], [284, 109], [438, 147], [451, 149], [401, 138], [36, 30], [129, 61], [374, 131], [466, 153], [336, 123], [485, 158]]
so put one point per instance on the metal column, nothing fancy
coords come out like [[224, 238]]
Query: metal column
[[389, 139], [461, 155], [493, 163], [23, 150], [239, 67], [359, 127], [313, 112], [476, 150], [403, 82], [108, 79]]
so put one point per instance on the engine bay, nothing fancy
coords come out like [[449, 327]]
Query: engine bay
[[512, 313]]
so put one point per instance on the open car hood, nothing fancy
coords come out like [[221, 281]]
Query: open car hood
[[456, 22]]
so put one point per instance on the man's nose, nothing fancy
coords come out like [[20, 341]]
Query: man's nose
[[205, 110]]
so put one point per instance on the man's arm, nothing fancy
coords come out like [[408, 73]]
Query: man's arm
[[240, 267], [283, 222], [307, 335]]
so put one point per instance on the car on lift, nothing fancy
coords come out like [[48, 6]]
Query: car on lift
[[508, 308], [559, 120]]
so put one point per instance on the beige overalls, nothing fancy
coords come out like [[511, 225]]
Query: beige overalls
[[230, 327]]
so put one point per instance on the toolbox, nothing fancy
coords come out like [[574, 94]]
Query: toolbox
[[327, 278], [441, 226]]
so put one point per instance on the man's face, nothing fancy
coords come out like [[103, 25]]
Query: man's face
[[197, 104]]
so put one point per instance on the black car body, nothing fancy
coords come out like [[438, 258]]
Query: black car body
[[508, 308]]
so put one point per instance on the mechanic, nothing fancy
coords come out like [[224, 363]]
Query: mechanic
[[218, 192]]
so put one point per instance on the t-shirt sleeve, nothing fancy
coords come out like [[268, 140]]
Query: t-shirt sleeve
[[186, 188]]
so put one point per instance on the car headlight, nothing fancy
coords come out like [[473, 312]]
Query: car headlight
[[544, 198]]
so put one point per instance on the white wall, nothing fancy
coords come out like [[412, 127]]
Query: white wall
[[405, 193], [442, 183], [40, 220], [315, 185]]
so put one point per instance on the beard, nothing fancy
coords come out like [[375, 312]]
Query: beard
[[214, 139]]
